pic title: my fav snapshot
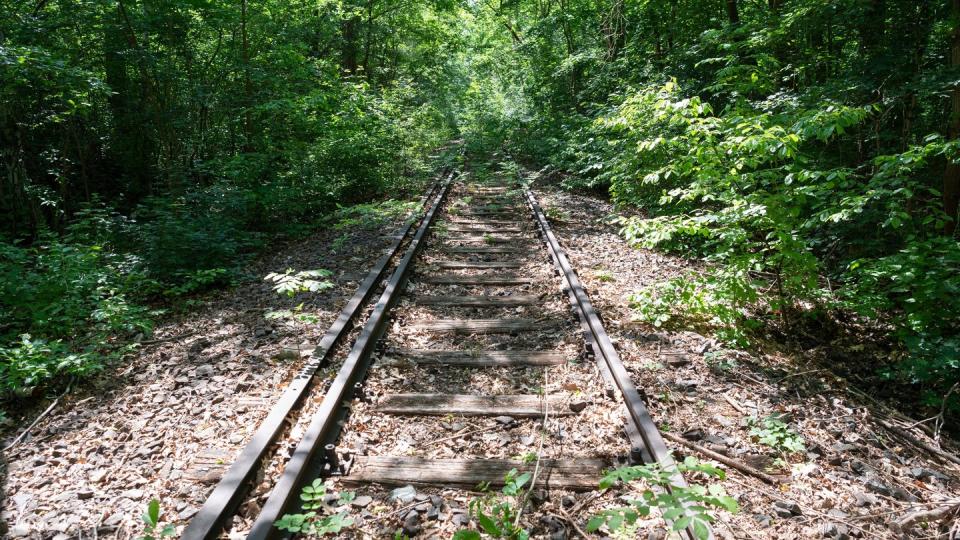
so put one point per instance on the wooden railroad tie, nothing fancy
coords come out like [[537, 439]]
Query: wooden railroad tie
[[489, 212], [468, 265], [514, 405], [481, 229], [494, 200], [483, 250], [490, 222], [487, 189], [477, 280], [573, 474], [480, 358], [480, 326], [488, 239], [479, 301]]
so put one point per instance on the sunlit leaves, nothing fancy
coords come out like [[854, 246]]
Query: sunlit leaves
[[681, 506]]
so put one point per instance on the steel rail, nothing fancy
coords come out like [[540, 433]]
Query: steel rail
[[323, 423], [654, 448], [225, 498]]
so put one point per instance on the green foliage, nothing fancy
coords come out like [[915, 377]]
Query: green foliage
[[683, 507], [61, 302], [496, 513], [801, 149], [151, 523], [320, 518], [204, 148], [292, 283], [775, 433], [29, 362], [371, 215]]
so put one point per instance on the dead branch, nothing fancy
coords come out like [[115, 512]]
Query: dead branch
[[907, 522], [738, 465]]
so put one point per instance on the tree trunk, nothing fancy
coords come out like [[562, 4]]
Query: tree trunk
[[951, 177], [349, 52], [733, 13], [247, 84]]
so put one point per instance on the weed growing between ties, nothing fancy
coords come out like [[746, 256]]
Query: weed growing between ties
[[496, 512]]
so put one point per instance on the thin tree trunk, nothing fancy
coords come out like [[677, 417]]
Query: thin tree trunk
[[247, 84], [733, 12], [951, 177]]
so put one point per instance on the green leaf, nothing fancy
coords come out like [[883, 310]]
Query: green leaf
[[152, 517], [595, 523], [488, 524]]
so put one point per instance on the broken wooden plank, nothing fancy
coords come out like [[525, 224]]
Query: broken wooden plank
[[477, 280], [477, 264], [479, 326], [479, 300], [573, 474], [515, 405], [480, 358]]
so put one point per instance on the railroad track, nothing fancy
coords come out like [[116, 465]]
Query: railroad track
[[482, 330]]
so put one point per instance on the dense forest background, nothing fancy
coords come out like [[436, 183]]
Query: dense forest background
[[806, 150]]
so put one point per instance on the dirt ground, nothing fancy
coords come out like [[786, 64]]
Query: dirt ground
[[165, 423]]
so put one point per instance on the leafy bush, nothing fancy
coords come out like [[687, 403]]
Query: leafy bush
[[61, 301], [30, 362], [749, 191], [683, 507]]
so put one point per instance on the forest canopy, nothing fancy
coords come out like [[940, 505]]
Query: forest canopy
[[805, 150]]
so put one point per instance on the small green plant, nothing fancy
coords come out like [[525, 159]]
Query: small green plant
[[151, 523], [296, 314], [368, 216], [603, 276], [339, 242], [292, 283], [555, 214], [775, 433], [489, 239], [683, 507], [496, 513], [199, 280], [719, 361], [320, 518]]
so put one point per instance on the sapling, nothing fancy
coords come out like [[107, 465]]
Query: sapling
[[151, 520], [290, 284]]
